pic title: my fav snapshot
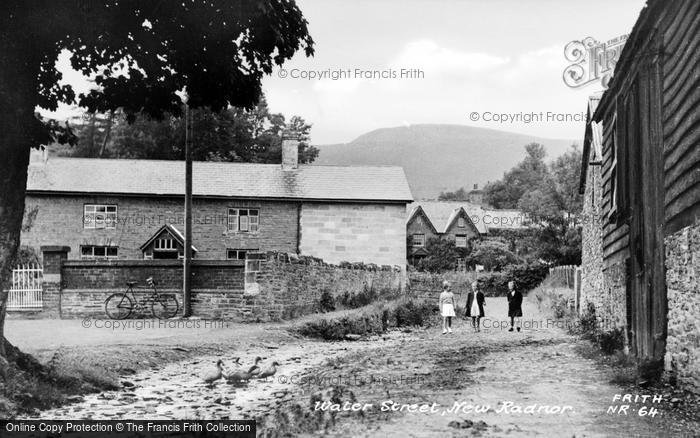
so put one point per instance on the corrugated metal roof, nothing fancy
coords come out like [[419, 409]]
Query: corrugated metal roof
[[217, 179]]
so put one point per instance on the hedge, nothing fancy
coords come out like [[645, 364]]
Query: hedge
[[526, 277]]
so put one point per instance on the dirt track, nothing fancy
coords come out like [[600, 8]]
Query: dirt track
[[497, 372], [560, 393]]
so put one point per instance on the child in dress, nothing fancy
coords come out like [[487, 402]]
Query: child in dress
[[447, 307]]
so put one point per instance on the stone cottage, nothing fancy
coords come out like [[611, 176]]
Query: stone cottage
[[641, 180], [444, 220], [133, 209]]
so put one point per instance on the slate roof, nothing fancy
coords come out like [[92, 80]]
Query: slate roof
[[217, 179], [504, 219], [442, 213]]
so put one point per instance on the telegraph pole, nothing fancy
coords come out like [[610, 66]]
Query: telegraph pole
[[187, 268]]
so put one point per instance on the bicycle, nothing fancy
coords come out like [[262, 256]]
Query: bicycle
[[120, 305]]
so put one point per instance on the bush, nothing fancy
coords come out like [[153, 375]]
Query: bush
[[326, 303], [352, 301], [526, 277], [560, 306], [588, 323], [493, 254], [442, 255], [612, 341], [373, 319]]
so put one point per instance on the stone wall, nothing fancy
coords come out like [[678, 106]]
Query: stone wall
[[59, 221], [285, 286], [592, 285], [425, 285], [290, 287], [603, 283], [370, 233], [217, 285], [683, 289]]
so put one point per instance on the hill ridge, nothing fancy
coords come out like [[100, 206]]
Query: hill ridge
[[439, 157]]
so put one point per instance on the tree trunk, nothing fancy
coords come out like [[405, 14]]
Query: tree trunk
[[108, 132], [14, 161], [19, 131]]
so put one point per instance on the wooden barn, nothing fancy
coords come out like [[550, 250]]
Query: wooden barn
[[649, 200]]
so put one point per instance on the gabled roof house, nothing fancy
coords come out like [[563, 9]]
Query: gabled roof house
[[122, 208]]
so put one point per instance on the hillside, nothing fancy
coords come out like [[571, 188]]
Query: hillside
[[439, 157]]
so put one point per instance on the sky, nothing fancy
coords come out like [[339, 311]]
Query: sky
[[465, 62]]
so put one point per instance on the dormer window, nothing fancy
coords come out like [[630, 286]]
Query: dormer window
[[167, 243]]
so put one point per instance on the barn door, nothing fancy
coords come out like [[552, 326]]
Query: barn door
[[645, 183]]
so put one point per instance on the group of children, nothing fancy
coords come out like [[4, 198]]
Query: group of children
[[475, 306]]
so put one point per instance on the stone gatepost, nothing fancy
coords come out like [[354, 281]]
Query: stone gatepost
[[53, 257]]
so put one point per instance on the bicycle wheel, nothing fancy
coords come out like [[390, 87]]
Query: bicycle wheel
[[119, 306], [164, 306]]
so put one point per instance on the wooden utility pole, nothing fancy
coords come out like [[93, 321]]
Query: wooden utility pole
[[187, 268]]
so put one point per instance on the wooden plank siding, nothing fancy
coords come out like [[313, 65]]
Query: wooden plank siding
[[681, 116], [615, 236], [651, 130]]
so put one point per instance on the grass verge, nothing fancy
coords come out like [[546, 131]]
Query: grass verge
[[370, 320]]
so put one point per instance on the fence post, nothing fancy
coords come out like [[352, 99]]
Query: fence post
[[53, 257]]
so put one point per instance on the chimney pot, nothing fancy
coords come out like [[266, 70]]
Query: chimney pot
[[290, 150]]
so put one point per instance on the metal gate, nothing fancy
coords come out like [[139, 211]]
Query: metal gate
[[26, 290]]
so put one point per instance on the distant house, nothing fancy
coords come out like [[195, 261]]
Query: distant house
[[476, 196], [133, 209], [456, 221], [641, 181], [439, 219]]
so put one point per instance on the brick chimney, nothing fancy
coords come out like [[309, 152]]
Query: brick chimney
[[290, 150]]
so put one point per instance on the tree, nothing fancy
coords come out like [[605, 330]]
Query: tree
[[458, 195], [492, 254], [233, 134], [141, 55], [527, 175], [565, 171], [548, 195]]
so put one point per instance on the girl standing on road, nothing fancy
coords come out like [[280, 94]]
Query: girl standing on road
[[475, 306], [447, 307], [515, 302]]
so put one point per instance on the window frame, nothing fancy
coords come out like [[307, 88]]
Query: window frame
[[414, 242], [238, 251], [108, 211], [105, 248], [235, 220], [457, 239]]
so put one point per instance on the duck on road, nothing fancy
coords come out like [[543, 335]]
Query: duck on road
[[268, 371], [243, 375], [213, 374]]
